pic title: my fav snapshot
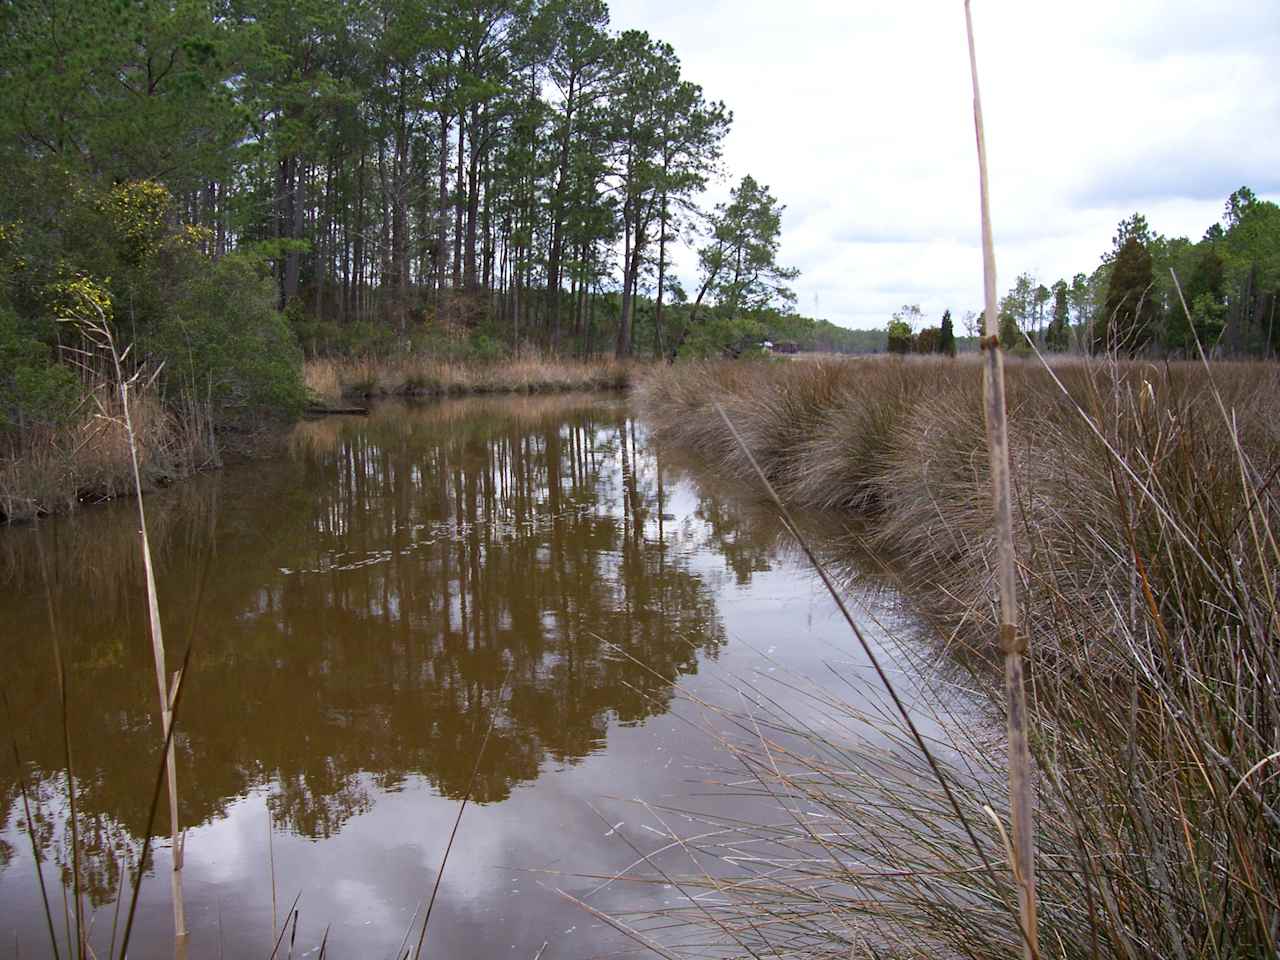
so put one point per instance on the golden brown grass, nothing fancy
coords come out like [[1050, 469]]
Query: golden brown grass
[[51, 469], [1144, 516], [331, 380]]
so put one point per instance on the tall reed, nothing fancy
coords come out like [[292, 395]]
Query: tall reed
[[1012, 643], [99, 331]]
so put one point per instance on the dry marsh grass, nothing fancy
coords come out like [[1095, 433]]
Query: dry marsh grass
[[50, 470], [332, 380], [1145, 517]]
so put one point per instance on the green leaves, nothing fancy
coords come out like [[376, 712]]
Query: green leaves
[[741, 261], [33, 389]]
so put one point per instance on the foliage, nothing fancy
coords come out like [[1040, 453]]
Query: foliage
[[225, 339], [741, 277], [928, 340], [720, 334], [740, 268], [947, 335], [1205, 294], [1228, 280], [119, 256], [395, 162], [899, 334], [34, 391], [137, 212], [1011, 334], [1129, 316], [1057, 337]]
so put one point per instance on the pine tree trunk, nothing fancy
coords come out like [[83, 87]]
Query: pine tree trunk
[[662, 275], [473, 201], [442, 222], [460, 201], [622, 346]]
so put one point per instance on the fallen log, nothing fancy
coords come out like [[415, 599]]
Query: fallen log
[[329, 411]]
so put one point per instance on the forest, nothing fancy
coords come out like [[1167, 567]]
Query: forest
[[228, 184]]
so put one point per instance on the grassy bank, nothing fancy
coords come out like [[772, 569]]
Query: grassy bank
[[1145, 516], [51, 468], [332, 380]]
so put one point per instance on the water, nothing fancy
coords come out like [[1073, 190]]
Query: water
[[362, 613]]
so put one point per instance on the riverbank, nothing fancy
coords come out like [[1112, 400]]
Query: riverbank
[[334, 380], [1145, 522], [52, 470]]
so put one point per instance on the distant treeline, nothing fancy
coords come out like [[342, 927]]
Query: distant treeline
[[1150, 295]]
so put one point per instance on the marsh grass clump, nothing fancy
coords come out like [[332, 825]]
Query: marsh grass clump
[[412, 375], [1144, 517], [86, 458]]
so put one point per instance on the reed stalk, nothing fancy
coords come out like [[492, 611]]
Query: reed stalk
[[100, 331], [1012, 644], [165, 690]]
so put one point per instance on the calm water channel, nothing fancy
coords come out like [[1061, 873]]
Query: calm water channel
[[355, 609]]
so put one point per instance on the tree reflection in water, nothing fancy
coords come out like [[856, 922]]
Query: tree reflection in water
[[365, 600]]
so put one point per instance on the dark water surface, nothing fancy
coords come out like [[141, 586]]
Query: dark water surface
[[356, 608]]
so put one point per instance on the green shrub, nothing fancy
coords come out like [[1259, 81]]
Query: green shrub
[[366, 339], [223, 338], [485, 349], [34, 388], [719, 336]]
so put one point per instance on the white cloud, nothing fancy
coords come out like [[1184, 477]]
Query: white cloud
[[859, 117]]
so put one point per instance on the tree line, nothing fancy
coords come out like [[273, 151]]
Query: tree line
[[393, 161], [1150, 295], [1161, 296]]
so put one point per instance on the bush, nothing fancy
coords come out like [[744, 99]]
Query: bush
[[719, 336], [899, 332], [485, 349], [224, 339], [33, 389], [119, 258]]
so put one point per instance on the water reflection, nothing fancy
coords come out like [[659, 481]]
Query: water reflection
[[356, 609]]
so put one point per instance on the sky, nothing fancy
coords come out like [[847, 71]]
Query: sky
[[859, 117]]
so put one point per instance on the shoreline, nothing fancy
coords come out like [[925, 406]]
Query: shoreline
[[63, 470], [1142, 557], [336, 380]]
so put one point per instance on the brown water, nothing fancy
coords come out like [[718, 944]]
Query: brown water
[[361, 613]]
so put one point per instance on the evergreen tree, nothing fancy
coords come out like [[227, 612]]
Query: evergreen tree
[[399, 165], [1058, 336], [1204, 292], [740, 270], [1129, 315], [947, 335], [1010, 331]]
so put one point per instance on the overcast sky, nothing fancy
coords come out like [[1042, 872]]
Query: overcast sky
[[858, 115]]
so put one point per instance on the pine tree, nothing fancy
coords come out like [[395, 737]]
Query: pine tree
[[1058, 336], [947, 336], [1129, 315]]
